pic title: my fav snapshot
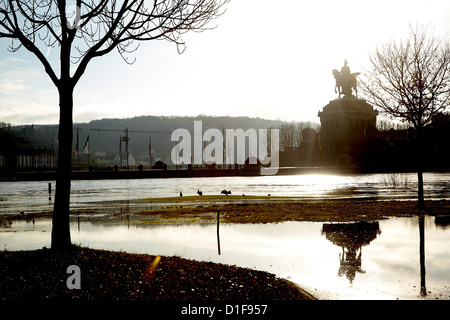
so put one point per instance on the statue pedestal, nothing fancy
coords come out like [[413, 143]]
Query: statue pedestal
[[347, 125]]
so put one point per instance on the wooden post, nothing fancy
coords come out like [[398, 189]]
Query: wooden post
[[218, 238]]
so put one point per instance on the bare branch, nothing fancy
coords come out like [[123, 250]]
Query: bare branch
[[118, 26], [410, 79], [23, 22], [96, 28]]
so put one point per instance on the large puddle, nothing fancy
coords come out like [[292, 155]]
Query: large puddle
[[377, 260]]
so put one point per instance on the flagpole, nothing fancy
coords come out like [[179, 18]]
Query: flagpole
[[223, 148], [88, 159], [178, 150], [150, 151], [88, 152], [78, 153], [86, 146], [126, 146], [120, 151]]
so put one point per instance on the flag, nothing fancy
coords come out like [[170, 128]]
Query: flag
[[86, 145], [150, 151], [76, 147], [150, 146]]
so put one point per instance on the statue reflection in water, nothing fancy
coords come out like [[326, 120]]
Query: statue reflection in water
[[351, 237]]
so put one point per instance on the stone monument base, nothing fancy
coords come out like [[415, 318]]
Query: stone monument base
[[347, 126]]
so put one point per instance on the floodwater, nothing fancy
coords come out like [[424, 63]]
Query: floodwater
[[370, 260], [377, 260], [32, 196]]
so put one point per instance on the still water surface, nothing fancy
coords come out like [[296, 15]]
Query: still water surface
[[377, 260]]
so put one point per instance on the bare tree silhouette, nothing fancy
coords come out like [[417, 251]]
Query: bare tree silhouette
[[410, 80], [82, 31]]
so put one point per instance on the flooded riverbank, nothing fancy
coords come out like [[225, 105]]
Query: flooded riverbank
[[372, 260], [337, 236], [33, 196]]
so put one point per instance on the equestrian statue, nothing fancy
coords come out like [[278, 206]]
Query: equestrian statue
[[345, 81]]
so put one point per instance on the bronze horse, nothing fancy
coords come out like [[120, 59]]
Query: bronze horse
[[345, 84]]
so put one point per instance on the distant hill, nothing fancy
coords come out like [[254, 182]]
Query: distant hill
[[105, 134], [158, 129]]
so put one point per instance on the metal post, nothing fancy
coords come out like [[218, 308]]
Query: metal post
[[150, 151], [218, 237], [78, 152], [120, 153], [126, 139], [126, 146]]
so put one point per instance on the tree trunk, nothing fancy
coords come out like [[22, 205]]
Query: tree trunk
[[423, 288], [61, 228], [419, 150], [421, 200]]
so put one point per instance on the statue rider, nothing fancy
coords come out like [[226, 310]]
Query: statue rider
[[346, 80], [345, 70]]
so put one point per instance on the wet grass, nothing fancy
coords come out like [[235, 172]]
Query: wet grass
[[215, 198], [289, 209]]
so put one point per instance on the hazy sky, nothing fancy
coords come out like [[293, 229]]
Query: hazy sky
[[267, 59]]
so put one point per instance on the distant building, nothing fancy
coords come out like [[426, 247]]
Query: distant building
[[36, 159], [131, 161], [17, 153], [29, 159]]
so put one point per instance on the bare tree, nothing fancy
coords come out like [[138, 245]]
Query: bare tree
[[410, 80], [82, 31], [291, 134], [386, 125]]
